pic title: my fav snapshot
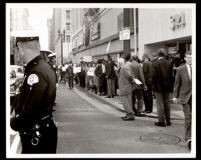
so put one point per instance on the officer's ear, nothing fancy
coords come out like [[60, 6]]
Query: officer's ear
[[19, 46]]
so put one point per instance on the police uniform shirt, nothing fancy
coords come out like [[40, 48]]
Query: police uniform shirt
[[38, 90]]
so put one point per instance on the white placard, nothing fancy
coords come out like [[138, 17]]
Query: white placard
[[76, 70]]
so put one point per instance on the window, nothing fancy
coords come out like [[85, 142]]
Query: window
[[68, 38], [68, 26], [67, 14]]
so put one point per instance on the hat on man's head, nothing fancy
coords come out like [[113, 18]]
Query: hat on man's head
[[25, 35]]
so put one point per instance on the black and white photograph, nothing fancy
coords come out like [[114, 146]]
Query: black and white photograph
[[100, 80]]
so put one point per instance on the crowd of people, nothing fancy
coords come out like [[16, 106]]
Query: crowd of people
[[136, 81]]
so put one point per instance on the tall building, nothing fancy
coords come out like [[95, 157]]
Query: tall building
[[19, 20], [62, 33]]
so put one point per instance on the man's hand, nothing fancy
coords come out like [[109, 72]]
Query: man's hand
[[56, 85], [145, 88], [175, 100]]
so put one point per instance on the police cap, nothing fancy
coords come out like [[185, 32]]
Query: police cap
[[25, 35]]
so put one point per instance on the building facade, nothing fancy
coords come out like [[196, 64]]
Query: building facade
[[150, 29], [169, 28], [61, 36]]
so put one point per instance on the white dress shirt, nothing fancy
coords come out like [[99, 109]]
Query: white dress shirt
[[189, 69], [103, 68]]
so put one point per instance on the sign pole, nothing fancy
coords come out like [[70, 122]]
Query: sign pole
[[126, 21]]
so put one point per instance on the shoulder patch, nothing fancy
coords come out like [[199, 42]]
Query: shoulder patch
[[32, 79]]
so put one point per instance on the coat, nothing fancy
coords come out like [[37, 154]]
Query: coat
[[162, 75], [137, 73], [110, 72], [182, 85], [148, 72], [125, 80]]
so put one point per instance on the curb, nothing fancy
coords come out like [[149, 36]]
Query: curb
[[116, 105]]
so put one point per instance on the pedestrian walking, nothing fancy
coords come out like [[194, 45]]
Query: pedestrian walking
[[183, 90], [33, 109], [162, 72], [70, 75], [125, 89]]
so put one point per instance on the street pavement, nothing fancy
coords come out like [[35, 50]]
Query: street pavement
[[88, 123]]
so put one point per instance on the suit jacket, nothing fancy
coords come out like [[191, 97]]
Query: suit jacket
[[125, 80], [99, 73], [110, 70], [182, 85], [162, 75], [148, 72], [137, 73]]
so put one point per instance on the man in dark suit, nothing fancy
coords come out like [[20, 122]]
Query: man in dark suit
[[183, 90], [162, 72], [147, 94], [136, 70], [110, 76], [100, 72]]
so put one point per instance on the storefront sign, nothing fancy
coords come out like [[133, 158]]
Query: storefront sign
[[124, 34], [177, 20], [87, 58], [95, 31]]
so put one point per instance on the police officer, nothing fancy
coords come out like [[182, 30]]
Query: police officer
[[52, 63], [33, 109]]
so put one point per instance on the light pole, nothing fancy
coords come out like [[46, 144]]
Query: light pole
[[61, 39]]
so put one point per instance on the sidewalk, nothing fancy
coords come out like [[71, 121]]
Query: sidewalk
[[176, 109]]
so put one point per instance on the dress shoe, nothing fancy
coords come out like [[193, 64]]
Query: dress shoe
[[129, 118], [168, 123], [140, 114], [160, 124], [108, 97], [189, 144]]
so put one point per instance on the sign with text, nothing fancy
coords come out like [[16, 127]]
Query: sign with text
[[177, 20], [124, 34]]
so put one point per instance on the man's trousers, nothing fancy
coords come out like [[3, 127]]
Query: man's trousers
[[187, 108], [110, 87], [127, 102], [163, 106]]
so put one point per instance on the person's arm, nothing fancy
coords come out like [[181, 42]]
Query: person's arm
[[177, 85], [31, 106]]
